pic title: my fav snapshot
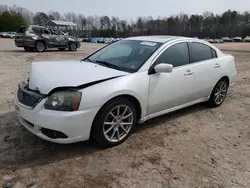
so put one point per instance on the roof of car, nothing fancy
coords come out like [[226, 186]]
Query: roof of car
[[157, 38]]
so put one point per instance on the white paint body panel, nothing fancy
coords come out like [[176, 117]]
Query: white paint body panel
[[45, 76], [157, 94]]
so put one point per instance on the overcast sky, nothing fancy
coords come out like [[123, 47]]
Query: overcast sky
[[126, 9]]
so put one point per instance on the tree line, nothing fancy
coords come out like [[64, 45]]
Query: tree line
[[208, 25]]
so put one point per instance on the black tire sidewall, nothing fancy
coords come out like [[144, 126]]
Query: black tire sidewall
[[39, 42], [70, 48], [97, 127]]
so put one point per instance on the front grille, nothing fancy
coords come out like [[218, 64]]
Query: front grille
[[27, 97]]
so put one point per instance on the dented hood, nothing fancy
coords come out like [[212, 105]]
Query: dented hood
[[46, 76]]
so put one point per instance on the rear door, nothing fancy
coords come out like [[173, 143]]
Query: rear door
[[206, 68]]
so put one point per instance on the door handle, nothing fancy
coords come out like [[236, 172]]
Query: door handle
[[217, 65], [188, 73]]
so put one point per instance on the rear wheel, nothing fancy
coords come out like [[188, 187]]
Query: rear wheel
[[219, 93], [40, 46], [114, 122], [72, 46]]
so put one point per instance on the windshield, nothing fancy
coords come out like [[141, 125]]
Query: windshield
[[125, 55]]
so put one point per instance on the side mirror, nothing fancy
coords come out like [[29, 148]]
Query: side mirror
[[163, 68]]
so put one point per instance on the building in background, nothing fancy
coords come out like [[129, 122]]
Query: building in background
[[65, 26]]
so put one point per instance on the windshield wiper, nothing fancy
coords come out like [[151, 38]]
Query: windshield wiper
[[88, 60], [105, 63]]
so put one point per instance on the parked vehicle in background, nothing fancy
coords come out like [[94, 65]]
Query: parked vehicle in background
[[100, 40], [221, 41], [4, 35], [218, 41], [41, 38], [7, 35], [237, 39], [12, 35], [129, 81], [86, 40], [246, 39], [211, 41], [227, 39]]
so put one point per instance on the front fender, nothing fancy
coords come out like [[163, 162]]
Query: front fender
[[135, 85]]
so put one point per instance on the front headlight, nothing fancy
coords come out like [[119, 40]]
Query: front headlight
[[64, 101]]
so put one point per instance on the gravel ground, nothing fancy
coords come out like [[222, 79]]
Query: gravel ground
[[196, 147]]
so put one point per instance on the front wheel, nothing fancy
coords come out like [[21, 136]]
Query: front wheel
[[72, 46], [219, 93], [114, 123]]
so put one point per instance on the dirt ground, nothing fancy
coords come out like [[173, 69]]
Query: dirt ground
[[196, 147]]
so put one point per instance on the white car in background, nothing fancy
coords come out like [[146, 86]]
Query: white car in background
[[104, 95]]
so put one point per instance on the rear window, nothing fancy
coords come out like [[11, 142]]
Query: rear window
[[46, 31], [214, 53], [36, 29], [201, 52]]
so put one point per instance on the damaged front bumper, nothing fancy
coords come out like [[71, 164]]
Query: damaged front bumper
[[55, 126]]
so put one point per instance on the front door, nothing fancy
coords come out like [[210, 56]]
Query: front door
[[60, 39], [48, 37], [168, 90]]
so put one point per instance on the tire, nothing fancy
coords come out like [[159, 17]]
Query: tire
[[28, 49], [61, 49], [113, 127], [219, 93], [72, 46], [40, 46]]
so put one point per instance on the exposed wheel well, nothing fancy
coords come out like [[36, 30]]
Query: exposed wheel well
[[71, 42], [226, 78]]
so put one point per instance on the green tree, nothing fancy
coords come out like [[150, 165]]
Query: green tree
[[40, 19], [11, 21]]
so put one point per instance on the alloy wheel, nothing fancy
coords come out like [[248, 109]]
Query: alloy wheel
[[220, 92], [118, 123]]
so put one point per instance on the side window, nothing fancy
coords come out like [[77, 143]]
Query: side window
[[201, 52], [36, 30], [46, 31], [214, 53], [177, 55]]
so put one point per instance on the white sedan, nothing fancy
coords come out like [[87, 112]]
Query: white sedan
[[130, 81]]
